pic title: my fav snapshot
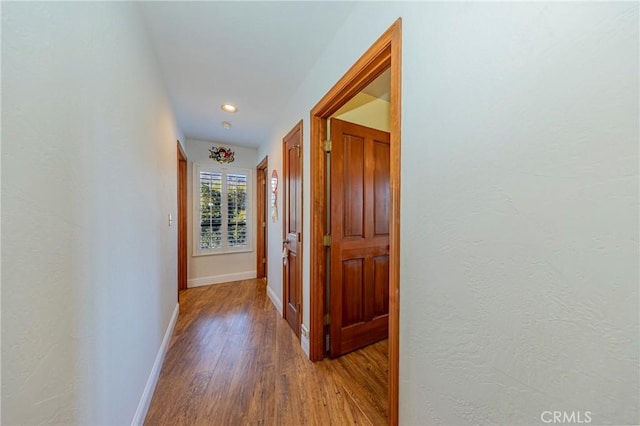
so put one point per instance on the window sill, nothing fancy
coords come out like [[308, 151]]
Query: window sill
[[217, 253]]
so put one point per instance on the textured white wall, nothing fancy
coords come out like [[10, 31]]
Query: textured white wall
[[519, 226], [274, 228], [520, 213], [220, 265], [89, 177]]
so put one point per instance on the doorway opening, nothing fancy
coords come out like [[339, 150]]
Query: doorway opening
[[384, 54], [261, 224]]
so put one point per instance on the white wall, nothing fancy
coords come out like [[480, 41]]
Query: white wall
[[519, 223], [274, 228], [89, 178], [219, 268]]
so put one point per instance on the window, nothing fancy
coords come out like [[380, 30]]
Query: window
[[222, 197]]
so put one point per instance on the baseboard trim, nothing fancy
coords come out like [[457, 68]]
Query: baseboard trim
[[219, 279], [274, 299], [147, 394], [304, 343]]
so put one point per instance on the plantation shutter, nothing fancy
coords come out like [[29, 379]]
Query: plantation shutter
[[236, 210], [210, 210], [221, 203]]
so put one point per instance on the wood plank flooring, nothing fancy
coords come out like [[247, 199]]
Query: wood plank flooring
[[233, 360]]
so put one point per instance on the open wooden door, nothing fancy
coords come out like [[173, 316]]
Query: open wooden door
[[385, 52], [182, 220], [261, 224], [359, 289], [292, 241]]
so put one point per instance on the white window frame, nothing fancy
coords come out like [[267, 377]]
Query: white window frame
[[224, 170]]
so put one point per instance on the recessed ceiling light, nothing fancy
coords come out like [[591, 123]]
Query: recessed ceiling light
[[226, 125], [229, 108]]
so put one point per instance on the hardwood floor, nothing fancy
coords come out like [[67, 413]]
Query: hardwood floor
[[233, 360]]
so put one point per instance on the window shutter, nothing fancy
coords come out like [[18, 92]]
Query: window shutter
[[237, 210], [221, 207], [210, 210]]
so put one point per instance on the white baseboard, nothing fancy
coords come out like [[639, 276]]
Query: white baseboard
[[304, 343], [274, 299], [218, 279], [147, 394]]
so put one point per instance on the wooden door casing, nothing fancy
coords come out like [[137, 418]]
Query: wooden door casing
[[385, 52], [261, 225], [292, 238], [359, 288]]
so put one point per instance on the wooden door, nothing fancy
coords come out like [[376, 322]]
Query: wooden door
[[359, 288], [261, 252], [182, 220], [292, 241]]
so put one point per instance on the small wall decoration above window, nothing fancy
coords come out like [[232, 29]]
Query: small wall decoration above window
[[221, 154]]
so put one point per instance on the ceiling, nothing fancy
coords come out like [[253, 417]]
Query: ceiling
[[253, 55], [380, 87]]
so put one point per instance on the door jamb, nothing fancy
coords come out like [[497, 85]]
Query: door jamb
[[384, 53], [261, 252], [182, 219]]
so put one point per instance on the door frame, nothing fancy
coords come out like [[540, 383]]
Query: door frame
[[262, 237], [182, 219], [285, 211], [385, 53]]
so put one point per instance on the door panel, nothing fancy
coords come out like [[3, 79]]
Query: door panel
[[353, 186], [352, 291], [292, 187], [359, 253], [381, 188], [381, 285]]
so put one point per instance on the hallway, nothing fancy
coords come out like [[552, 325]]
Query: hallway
[[517, 229], [233, 360]]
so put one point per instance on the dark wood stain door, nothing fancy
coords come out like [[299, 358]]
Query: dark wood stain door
[[182, 220], [292, 206], [261, 250], [359, 289]]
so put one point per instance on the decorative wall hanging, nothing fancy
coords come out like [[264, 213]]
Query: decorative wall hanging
[[221, 154], [274, 195]]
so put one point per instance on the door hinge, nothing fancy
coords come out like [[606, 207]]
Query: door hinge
[[264, 224], [327, 145], [326, 240], [264, 260], [327, 319]]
